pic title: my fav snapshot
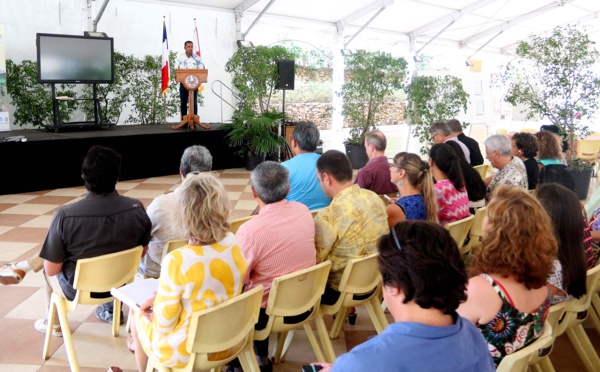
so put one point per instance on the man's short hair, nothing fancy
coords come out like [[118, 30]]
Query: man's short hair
[[186, 43], [454, 126], [195, 159], [336, 164], [440, 127], [101, 169], [500, 143], [271, 181], [306, 135], [377, 139]]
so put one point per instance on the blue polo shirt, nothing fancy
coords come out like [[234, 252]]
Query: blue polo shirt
[[304, 185]]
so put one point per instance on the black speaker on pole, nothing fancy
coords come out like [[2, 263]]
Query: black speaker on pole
[[285, 68]]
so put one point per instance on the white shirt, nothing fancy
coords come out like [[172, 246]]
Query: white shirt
[[464, 147], [194, 61]]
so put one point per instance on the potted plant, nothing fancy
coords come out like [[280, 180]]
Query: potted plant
[[254, 124], [555, 77], [373, 77], [432, 99]]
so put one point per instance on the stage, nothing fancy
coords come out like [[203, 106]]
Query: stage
[[51, 160]]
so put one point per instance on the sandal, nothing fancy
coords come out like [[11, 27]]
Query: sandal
[[130, 344]]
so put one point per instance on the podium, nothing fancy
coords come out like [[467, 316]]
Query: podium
[[191, 80]]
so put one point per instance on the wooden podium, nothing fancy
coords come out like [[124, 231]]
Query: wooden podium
[[191, 80]]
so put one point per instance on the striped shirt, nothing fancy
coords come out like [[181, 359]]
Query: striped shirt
[[453, 205]]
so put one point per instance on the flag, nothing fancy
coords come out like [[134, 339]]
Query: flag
[[165, 60], [196, 40]]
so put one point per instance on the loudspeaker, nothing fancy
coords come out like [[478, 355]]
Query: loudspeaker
[[286, 72]]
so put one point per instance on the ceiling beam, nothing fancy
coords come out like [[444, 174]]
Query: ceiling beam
[[508, 24], [240, 9], [376, 5]]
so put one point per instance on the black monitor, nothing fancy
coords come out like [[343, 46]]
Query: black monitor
[[75, 59]]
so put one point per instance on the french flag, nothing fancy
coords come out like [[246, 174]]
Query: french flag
[[165, 60]]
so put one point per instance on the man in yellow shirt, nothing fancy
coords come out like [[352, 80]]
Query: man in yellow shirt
[[351, 225]]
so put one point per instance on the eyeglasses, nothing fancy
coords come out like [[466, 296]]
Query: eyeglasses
[[396, 239], [433, 136], [392, 165]]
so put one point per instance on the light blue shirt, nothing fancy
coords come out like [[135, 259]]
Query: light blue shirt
[[304, 185], [183, 61], [408, 346]]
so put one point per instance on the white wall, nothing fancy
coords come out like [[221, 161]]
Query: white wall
[[136, 27]]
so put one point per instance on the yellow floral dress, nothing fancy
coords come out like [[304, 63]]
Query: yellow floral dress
[[192, 278]]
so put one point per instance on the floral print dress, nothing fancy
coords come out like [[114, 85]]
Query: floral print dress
[[511, 329]]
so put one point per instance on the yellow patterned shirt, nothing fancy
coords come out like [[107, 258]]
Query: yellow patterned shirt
[[192, 278], [349, 228]]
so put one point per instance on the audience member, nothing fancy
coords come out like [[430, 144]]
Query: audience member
[[449, 187], [350, 226], [440, 133], [278, 241], [525, 147], [188, 281], [556, 130], [473, 146], [508, 299], [424, 282], [375, 175], [415, 183], [568, 278], [473, 181], [101, 223], [304, 186], [511, 170], [548, 148]]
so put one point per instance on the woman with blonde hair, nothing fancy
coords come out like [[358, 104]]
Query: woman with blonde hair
[[414, 180], [508, 299], [205, 272]]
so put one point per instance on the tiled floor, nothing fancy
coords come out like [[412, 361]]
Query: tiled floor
[[24, 219]]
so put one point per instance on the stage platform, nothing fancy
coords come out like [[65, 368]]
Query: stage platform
[[50, 160]]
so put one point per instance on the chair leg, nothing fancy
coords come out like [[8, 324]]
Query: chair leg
[[248, 360], [545, 365], [313, 342], [281, 345], [584, 347], [61, 309], [48, 338], [377, 316], [116, 324], [324, 337], [338, 324]]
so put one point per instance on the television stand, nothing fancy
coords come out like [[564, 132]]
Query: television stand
[[59, 124]]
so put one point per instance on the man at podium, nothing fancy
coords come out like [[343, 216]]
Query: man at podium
[[188, 60]]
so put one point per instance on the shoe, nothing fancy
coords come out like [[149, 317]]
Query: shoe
[[352, 318], [41, 325], [267, 368], [11, 274], [107, 316]]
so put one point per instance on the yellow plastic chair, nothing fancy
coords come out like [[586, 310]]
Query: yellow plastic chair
[[541, 361], [476, 232], [459, 231], [384, 197], [219, 334], [519, 360], [92, 276], [529, 130], [483, 169], [360, 284], [502, 131], [587, 150], [293, 295], [235, 224], [573, 326], [315, 211]]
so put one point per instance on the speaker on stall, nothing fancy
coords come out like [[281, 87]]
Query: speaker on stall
[[285, 69]]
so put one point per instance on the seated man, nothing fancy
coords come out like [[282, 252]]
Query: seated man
[[424, 281], [101, 223], [440, 133], [304, 187], [351, 225], [278, 241], [472, 145], [375, 175]]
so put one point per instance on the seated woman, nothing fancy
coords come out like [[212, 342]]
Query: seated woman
[[473, 181], [568, 279], [508, 299], [549, 146], [450, 192], [189, 278], [417, 199], [424, 282], [511, 170], [525, 147]]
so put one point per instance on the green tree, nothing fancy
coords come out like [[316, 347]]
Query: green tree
[[432, 99], [555, 77], [373, 77]]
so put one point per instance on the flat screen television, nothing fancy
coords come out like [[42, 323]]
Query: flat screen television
[[74, 59]]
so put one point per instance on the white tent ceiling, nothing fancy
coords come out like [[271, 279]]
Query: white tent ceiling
[[470, 24]]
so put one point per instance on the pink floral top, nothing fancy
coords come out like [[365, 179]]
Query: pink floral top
[[453, 205]]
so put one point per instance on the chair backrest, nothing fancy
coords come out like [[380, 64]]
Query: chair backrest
[[476, 231], [502, 131], [581, 305], [483, 170], [295, 294], [100, 274], [519, 360], [360, 276], [224, 328], [172, 245], [588, 149], [529, 130], [459, 231], [315, 211], [235, 224]]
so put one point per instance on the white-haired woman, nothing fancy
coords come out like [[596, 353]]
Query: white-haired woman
[[511, 170]]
